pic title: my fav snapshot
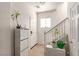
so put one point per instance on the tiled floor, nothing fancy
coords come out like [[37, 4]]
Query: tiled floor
[[38, 50]]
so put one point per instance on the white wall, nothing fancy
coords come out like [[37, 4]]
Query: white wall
[[61, 12], [57, 16], [5, 41], [24, 10], [33, 26]]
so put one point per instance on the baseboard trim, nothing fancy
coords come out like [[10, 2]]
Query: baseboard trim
[[34, 45]]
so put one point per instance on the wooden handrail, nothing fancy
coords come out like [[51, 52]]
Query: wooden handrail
[[56, 25]]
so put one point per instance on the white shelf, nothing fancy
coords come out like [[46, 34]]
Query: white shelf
[[21, 42]]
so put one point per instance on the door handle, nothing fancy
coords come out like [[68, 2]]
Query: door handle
[[31, 32]]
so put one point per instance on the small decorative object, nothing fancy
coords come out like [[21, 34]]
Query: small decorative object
[[15, 17], [60, 44]]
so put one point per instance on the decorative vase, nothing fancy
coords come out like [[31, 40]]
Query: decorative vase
[[60, 44], [18, 26]]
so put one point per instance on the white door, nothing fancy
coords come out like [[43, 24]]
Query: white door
[[74, 29]]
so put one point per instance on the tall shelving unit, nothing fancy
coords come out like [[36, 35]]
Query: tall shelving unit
[[21, 42]]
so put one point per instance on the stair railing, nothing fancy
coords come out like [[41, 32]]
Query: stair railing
[[55, 32]]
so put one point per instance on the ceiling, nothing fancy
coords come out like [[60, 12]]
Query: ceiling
[[44, 6]]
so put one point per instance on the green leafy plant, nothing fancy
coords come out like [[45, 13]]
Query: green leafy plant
[[56, 31], [15, 16]]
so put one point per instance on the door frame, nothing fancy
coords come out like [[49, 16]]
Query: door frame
[[74, 17]]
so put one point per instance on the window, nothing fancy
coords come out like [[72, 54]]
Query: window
[[45, 22]]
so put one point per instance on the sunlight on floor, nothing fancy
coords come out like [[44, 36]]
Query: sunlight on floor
[[38, 50]]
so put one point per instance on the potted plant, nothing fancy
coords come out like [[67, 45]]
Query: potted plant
[[15, 17]]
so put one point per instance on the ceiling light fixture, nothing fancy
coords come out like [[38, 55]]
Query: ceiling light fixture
[[40, 4]]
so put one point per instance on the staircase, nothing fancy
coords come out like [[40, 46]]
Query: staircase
[[56, 33]]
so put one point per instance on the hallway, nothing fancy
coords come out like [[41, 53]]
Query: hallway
[[53, 25]]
